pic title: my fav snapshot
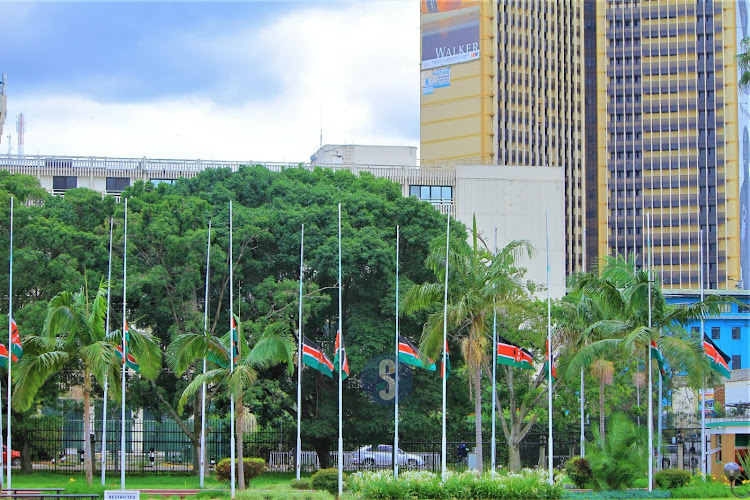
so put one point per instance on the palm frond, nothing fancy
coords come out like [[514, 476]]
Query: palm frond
[[190, 347], [211, 377], [31, 372], [274, 347]]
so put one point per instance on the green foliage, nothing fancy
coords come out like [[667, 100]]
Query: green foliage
[[669, 479], [285, 494], [326, 480], [301, 484], [82, 487], [465, 485], [617, 460], [253, 467], [579, 471], [708, 489], [615, 495]]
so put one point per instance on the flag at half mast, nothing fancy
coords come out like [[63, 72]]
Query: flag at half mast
[[546, 366], [657, 355], [510, 354], [131, 362], [445, 368], [314, 357], [340, 351], [16, 350], [410, 354], [719, 361]]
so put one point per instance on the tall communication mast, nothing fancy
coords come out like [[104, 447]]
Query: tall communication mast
[[20, 129], [3, 106]]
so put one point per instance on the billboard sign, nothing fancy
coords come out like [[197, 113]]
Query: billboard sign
[[743, 129], [450, 32]]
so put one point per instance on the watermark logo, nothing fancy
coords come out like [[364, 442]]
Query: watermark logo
[[379, 380]]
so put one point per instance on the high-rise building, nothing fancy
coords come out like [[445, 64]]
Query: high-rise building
[[667, 136], [635, 99], [502, 84]]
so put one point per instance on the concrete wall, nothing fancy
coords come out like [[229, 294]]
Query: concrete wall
[[514, 199]]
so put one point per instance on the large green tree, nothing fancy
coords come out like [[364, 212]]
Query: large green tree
[[478, 284]]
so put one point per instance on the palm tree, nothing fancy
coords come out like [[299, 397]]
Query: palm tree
[[74, 335], [623, 293], [603, 370], [743, 64], [274, 347], [478, 283]]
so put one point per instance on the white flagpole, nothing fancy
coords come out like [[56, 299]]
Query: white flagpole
[[703, 390], [124, 347], [493, 441], [203, 387], [231, 352], [340, 354], [649, 366], [549, 358], [106, 383], [583, 385], [298, 456], [444, 441], [395, 426], [9, 455], [659, 424]]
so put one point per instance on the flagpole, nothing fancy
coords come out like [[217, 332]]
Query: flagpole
[[395, 426], [549, 357], [298, 456], [231, 352], [649, 366], [583, 385], [659, 422], [124, 347], [703, 390], [106, 383], [9, 454], [493, 441], [203, 387], [444, 442], [341, 376]]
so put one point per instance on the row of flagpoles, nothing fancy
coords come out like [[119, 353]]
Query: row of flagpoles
[[312, 355]]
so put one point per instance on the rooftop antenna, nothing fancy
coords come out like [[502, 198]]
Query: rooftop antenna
[[10, 145], [20, 129], [321, 126]]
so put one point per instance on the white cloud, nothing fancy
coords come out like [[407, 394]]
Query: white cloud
[[354, 60]]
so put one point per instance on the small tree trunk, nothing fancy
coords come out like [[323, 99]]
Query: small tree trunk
[[478, 413], [601, 408], [26, 466], [240, 463], [88, 459], [514, 456]]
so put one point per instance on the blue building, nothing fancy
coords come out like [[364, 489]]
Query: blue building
[[730, 330]]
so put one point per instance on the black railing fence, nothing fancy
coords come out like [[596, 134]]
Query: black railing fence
[[153, 447]]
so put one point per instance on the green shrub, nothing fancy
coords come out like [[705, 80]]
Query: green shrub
[[464, 485], [83, 487], [672, 478], [617, 461], [579, 471], [615, 495], [303, 484], [326, 480], [253, 467], [699, 489]]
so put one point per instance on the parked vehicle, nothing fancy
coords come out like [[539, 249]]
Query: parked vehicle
[[15, 456], [382, 456]]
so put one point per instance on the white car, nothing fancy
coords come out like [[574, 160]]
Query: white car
[[382, 456]]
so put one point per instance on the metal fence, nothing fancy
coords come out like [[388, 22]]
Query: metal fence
[[153, 447]]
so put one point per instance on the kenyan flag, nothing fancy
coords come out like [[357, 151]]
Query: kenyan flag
[[340, 351], [546, 366], [719, 360], [445, 368], [16, 349], [657, 355], [314, 357], [131, 362], [411, 355], [513, 355]]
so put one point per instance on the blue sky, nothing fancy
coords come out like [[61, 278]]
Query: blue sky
[[236, 80]]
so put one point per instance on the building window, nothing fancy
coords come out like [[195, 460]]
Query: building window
[[743, 308], [117, 184], [63, 183], [156, 182], [715, 333], [736, 362], [735, 333], [435, 194]]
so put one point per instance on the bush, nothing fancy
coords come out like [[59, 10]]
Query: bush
[[616, 495], [579, 471], [253, 467], [464, 485], [303, 484], [326, 480], [672, 478]]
